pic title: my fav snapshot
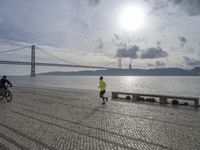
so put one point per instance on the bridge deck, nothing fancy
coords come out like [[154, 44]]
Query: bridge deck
[[51, 64]]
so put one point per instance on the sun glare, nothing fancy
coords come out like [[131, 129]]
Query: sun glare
[[131, 17]]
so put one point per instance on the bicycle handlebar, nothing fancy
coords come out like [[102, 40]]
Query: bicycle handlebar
[[9, 85]]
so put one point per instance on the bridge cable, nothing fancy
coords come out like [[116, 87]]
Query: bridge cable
[[61, 59], [12, 50], [111, 63]]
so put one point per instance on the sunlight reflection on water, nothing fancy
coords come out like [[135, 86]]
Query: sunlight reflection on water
[[189, 86]]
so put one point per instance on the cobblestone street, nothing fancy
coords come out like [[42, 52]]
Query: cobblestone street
[[67, 119]]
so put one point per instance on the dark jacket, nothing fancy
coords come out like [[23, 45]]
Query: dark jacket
[[3, 82]]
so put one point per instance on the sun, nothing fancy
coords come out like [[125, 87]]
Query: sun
[[132, 17]]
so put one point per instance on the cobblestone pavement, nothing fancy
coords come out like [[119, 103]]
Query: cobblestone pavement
[[62, 119]]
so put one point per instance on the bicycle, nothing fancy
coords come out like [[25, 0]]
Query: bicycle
[[5, 93]]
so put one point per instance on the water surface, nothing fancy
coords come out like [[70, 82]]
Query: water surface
[[181, 86]]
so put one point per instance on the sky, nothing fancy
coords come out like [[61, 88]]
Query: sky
[[96, 32]]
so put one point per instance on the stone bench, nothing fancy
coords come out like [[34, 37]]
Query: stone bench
[[162, 98]]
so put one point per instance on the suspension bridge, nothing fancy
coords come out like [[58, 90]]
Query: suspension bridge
[[32, 62]]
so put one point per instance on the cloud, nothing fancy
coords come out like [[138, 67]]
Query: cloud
[[93, 2], [177, 1], [117, 40], [12, 33], [152, 53], [63, 23], [121, 44], [160, 4], [131, 52], [116, 36], [158, 43], [150, 65], [183, 40], [191, 62], [100, 43], [157, 64], [191, 7], [141, 40], [160, 63]]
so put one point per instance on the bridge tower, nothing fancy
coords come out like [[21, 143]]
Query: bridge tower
[[32, 60], [119, 63]]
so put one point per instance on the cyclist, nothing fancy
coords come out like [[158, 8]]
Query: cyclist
[[3, 83]]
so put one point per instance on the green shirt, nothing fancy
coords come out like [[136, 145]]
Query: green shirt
[[102, 85]]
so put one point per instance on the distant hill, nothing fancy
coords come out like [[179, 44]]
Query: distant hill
[[133, 72], [196, 71]]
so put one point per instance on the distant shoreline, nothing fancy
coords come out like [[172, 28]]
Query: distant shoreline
[[131, 72]]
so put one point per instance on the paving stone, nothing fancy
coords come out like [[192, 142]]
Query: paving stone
[[62, 119]]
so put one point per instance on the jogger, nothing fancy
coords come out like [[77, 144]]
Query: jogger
[[102, 87]]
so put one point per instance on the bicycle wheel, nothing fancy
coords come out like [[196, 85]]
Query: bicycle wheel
[[8, 95], [1, 95]]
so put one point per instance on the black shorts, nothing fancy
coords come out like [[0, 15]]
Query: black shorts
[[102, 93]]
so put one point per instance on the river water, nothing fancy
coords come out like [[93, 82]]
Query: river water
[[180, 86]]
